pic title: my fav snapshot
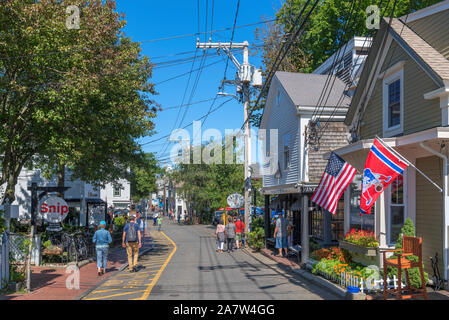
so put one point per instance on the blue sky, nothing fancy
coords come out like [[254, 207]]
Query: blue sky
[[147, 20]]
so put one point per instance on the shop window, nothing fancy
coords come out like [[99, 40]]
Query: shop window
[[396, 208], [337, 221], [317, 223], [358, 221]]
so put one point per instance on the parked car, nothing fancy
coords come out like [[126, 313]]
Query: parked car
[[218, 215]]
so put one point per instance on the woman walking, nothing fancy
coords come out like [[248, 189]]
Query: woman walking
[[230, 233], [221, 236], [102, 239]]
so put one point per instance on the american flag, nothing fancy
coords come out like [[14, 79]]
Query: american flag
[[337, 176]]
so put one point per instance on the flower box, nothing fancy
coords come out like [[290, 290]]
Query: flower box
[[351, 247]]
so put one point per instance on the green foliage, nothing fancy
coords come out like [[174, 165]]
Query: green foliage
[[258, 223], [415, 278], [408, 230], [74, 98], [119, 222], [15, 275], [313, 245], [2, 223], [256, 239], [207, 185], [143, 177]]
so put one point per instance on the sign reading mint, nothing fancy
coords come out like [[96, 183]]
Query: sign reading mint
[[54, 210]]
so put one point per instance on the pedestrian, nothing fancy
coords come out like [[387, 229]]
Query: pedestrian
[[179, 218], [132, 241], [220, 233], [102, 238], [280, 233], [159, 223], [239, 230], [230, 233]]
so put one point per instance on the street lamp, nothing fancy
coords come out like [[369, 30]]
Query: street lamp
[[228, 94]]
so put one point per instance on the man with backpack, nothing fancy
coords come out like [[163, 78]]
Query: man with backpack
[[132, 241]]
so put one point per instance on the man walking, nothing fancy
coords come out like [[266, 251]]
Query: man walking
[[280, 233], [132, 241], [239, 229]]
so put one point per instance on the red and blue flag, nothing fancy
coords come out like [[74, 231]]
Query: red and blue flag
[[381, 168]]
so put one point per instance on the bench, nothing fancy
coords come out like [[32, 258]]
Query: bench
[[294, 251]]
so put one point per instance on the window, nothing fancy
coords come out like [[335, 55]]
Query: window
[[278, 99], [396, 208], [317, 223], [337, 221], [287, 151], [393, 101], [357, 221], [117, 190], [394, 104]]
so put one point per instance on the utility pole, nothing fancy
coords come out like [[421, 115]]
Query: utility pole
[[163, 199], [246, 74]]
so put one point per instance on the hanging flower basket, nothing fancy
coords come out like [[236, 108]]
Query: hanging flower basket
[[52, 251]]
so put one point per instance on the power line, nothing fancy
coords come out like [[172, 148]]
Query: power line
[[276, 64], [188, 104], [74, 50], [168, 135]]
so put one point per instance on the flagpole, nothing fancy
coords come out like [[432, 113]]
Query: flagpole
[[408, 162]]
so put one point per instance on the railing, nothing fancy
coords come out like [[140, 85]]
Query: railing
[[4, 260], [365, 285]]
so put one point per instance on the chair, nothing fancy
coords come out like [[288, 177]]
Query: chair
[[410, 246]]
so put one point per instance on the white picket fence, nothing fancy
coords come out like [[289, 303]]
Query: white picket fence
[[365, 285]]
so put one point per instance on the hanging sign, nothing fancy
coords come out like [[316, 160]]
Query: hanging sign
[[235, 200], [54, 209]]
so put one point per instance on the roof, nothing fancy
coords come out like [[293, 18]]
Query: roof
[[305, 89], [435, 60], [430, 59]]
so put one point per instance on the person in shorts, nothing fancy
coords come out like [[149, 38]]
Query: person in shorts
[[280, 234], [240, 229]]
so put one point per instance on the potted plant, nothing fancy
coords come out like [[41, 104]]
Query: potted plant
[[362, 245]]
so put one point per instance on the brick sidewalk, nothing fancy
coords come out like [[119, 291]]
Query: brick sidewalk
[[48, 283]]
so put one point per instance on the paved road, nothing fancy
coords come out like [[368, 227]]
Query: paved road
[[184, 265]]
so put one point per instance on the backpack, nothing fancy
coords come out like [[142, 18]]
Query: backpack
[[132, 233]]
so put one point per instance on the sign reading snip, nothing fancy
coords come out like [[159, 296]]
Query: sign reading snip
[[54, 209]]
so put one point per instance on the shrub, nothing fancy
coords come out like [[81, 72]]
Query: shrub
[[333, 253], [119, 222], [415, 278], [256, 239], [313, 245], [364, 238]]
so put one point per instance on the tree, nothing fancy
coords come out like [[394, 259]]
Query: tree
[[70, 97], [325, 32], [143, 177], [207, 186]]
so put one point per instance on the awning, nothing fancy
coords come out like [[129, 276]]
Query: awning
[[95, 201]]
